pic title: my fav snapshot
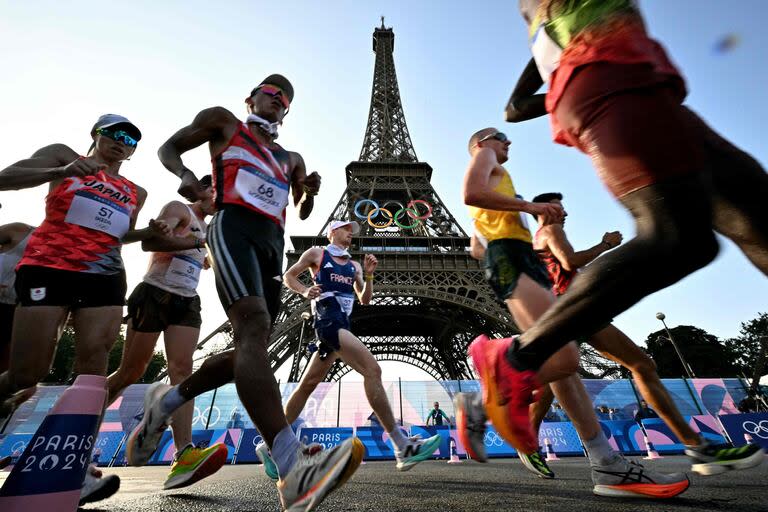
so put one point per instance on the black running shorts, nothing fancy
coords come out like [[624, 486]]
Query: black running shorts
[[506, 259], [246, 250], [43, 286], [329, 320], [152, 309]]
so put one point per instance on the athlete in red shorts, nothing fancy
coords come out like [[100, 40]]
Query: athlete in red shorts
[[614, 94]]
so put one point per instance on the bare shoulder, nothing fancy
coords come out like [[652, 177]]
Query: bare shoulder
[[56, 154], [216, 116]]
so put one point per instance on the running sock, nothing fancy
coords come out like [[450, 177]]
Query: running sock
[[284, 450], [398, 439], [599, 451], [172, 400]]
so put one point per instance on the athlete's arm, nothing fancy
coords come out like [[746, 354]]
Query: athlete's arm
[[571, 260], [208, 126], [311, 259], [47, 165], [13, 233], [174, 214], [476, 249], [524, 104], [303, 187], [478, 192], [364, 278], [156, 227]]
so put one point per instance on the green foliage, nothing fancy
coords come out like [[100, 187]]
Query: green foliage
[[704, 352], [64, 360], [747, 345]]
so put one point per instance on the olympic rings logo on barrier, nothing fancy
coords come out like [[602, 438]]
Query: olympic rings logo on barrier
[[756, 429], [493, 439], [411, 210]]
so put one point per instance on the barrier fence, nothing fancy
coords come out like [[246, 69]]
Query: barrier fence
[[337, 411]]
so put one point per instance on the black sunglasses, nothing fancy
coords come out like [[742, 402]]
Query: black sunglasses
[[499, 136]]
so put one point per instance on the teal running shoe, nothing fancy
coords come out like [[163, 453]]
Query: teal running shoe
[[416, 451], [262, 452]]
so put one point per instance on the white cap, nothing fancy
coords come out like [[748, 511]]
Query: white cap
[[336, 224], [108, 120]]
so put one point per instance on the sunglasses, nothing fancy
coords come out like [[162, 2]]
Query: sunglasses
[[273, 91], [501, 137], [118, 136]]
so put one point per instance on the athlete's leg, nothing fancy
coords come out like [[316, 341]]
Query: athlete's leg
[[740, 187], [616, 346], [313, 375], [256, 385], [674, 238], [180, 345], [137, 352], [356, 355], [96, 330], [539, 408], [215, 371], [36, 330]]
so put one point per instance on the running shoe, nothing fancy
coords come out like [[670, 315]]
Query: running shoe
[[537, 464], [315, 475], [710, 459], [415, 451], [193, 464], [470, 424], [97, 487], [144, 439], [262, 452], [507, 392], [628, 479]]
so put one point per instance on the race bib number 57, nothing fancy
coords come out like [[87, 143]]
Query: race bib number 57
[[95, 212]]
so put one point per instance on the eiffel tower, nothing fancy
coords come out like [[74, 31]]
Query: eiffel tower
[[430, 297]]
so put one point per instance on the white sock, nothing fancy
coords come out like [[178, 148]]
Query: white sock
[[398, 439]]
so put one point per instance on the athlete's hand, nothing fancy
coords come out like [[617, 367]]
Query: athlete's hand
[[370, 263], [83, 166], [613, 239], [551, 213], [159, 227], [313, 292], [312, 183], [191, 188]]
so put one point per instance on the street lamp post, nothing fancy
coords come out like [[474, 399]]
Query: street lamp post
[[686, 366]]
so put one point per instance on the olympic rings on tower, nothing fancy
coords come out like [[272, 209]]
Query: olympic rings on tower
[[411, 209]]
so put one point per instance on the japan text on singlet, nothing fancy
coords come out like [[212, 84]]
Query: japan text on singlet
[[253, 175], [498, 224], [85, 220], [179, 272], [337, 281]]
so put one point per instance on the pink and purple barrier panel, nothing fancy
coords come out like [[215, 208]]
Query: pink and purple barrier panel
[[203, 438]]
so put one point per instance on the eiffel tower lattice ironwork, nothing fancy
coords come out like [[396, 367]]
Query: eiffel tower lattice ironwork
[[430, 297]]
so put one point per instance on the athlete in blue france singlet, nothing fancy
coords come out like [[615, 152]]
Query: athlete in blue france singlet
[[334, 305]]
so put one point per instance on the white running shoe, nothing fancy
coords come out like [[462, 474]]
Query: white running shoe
[[315, 475], [144, 439], [416, 451], [97, 487]]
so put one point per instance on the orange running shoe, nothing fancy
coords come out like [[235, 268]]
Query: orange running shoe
[[628, 479], [507, 392]]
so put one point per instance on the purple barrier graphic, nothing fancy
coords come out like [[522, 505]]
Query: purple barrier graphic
[[662, 437], [756, 425], [714, 396], [623, 435], [444, 431], [106, 446], [377, 443], [562, 436], [328, 437], [495, 445], [204, 438], [708, 427], [246, 453]]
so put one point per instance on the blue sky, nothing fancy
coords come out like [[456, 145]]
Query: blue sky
[[159, 63]]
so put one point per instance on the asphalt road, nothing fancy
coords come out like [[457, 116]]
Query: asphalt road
[[438, 486]]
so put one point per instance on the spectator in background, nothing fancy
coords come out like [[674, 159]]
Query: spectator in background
[[645, 412], [437, 415]]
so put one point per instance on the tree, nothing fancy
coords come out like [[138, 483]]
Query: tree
[[64, 360], [704, 352], [747, 345]]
